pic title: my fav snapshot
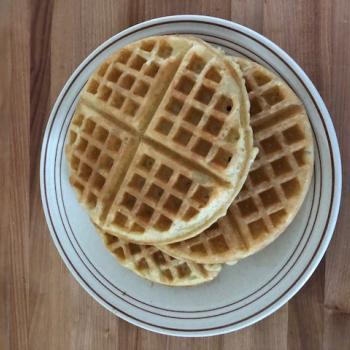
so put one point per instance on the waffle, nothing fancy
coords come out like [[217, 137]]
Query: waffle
[[160, 142], [277, 182], [149, 262]]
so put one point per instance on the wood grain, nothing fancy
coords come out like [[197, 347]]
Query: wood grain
[[41, 43], [14, 175]]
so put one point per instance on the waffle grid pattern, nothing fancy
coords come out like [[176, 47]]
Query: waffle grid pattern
[[124, 83], [151, 263], [156, 193], [275, 182], [117, 93], [194, 115], [96, 144]]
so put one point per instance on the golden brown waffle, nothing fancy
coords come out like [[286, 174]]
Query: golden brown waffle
[[150, 263], [277, 182], [160, 142]]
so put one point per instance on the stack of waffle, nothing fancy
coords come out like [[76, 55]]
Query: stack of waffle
[[162, 155]]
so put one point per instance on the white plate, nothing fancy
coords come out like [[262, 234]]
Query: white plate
[[242, 294]]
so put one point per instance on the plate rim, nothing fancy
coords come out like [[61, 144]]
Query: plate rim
[[334, 149]]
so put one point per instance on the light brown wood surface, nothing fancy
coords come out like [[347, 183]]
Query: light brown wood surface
[[41, 43]]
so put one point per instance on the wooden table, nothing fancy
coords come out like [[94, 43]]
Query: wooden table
[[41, 305]]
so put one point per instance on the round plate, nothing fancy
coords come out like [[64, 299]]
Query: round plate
[[242, 294]]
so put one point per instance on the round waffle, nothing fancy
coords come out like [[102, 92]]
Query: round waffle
[[152, 264], [160, 142], [277, 182]]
